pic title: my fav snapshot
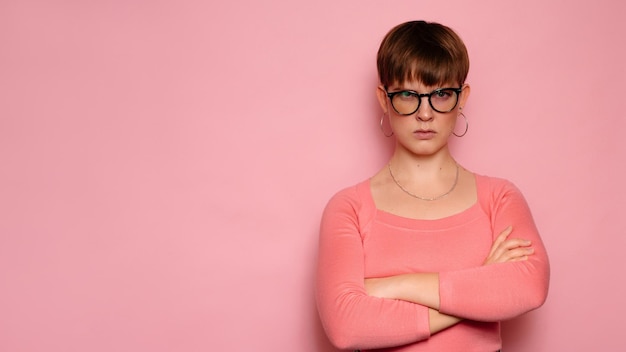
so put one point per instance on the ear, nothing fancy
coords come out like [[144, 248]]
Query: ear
[[381, 94], [464, 95]]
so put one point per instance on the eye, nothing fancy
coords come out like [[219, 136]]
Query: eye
[[406, 95], [442, 93]]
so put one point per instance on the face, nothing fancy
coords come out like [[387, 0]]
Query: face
[[425, 131]]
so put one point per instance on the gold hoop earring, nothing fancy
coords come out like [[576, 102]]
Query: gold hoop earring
[[466, 126], [382, 129]]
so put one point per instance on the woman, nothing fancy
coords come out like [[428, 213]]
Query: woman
[[426, 255]]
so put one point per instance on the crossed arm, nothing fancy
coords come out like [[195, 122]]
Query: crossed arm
[[423, 288]]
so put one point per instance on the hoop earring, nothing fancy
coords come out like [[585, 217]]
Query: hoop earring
[[381, 127], [466, 127]]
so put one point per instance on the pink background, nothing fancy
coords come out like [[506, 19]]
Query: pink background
[[164, 164]]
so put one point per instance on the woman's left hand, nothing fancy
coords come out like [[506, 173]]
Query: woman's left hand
[[508, 250]]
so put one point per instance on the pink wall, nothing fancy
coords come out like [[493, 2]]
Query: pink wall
[[164, 164]]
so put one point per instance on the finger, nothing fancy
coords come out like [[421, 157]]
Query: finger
[[514, 243], [512, 248], [516, 254], [500, 239], [519, 259], [505, 233]]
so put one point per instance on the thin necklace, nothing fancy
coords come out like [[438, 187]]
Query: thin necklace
[[456, 179]]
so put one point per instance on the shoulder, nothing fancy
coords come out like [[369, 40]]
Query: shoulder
[[494, 186], [496, 194], [349, 197], [352, 206], [496, 191], [351, 209]]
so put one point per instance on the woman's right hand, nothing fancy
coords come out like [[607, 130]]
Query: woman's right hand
[[508, 250]]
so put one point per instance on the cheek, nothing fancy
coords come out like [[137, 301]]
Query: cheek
[[400, 122]]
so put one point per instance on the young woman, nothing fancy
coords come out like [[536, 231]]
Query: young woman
[[426, 255]]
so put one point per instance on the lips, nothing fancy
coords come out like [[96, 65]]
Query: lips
[[424, 134]]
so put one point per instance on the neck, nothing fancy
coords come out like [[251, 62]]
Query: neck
[[412, 165], [426, 198]]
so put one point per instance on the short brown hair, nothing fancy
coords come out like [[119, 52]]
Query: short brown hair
[[430, 53]]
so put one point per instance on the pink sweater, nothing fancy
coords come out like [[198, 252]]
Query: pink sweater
[[358, 241]]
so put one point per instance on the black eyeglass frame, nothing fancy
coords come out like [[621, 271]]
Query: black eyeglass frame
[[420, 96]]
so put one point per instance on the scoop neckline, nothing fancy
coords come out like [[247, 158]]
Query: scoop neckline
[[455, 219]]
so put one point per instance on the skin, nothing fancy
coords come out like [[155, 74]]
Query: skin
[[423, 165]]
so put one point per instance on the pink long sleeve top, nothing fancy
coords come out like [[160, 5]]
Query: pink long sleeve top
[[358, 241]]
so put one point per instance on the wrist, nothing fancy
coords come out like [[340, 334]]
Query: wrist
[[420, 288]]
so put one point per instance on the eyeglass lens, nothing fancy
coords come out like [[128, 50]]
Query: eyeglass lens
[[441, 100]]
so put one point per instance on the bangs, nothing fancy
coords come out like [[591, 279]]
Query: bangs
[[432, 71]]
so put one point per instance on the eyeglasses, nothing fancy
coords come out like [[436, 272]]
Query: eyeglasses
[[407, 102]]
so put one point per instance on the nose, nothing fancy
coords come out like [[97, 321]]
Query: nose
[[425, 111]]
